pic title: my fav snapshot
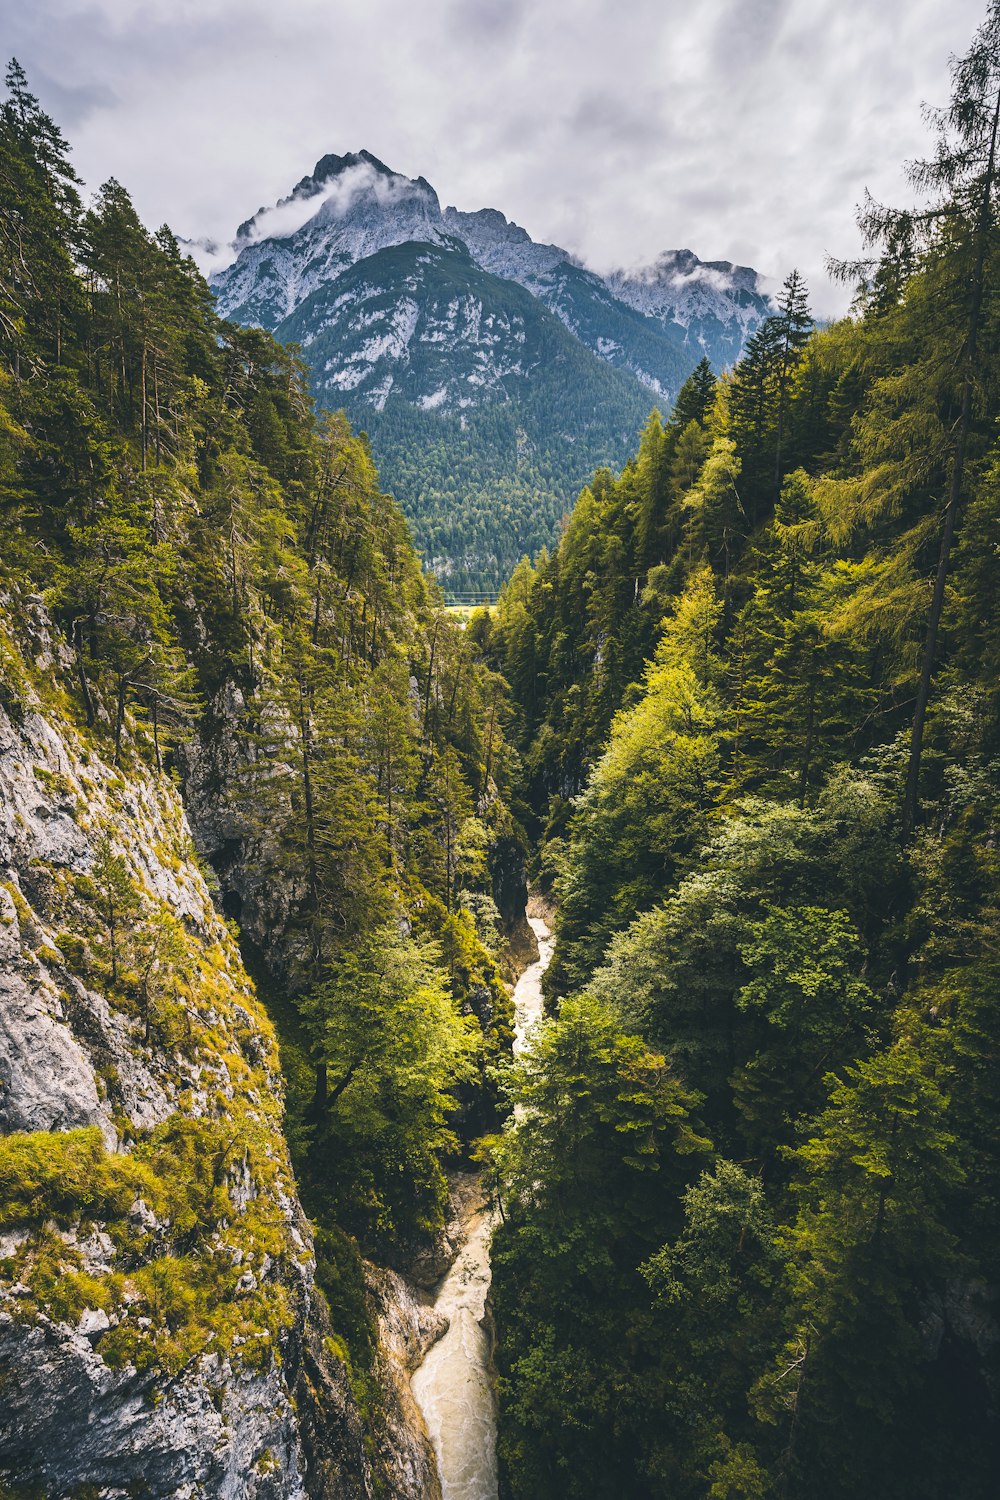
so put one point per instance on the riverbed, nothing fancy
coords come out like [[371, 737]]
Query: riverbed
[[454, 1385]]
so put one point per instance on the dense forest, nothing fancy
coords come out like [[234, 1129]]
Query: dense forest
[[751, 1208], [239, 606], [478, 487]]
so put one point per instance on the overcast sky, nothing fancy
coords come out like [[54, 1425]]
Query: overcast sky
[[744, 129]]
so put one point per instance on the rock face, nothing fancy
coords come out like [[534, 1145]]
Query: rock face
[[159, 1327], [238, 850], [69, 1420], [407, 1326], [717, 303]]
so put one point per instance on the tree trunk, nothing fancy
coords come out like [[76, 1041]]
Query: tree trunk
[[430, 676], [88, 699], [807, 753], [122, 697], [312, 867]]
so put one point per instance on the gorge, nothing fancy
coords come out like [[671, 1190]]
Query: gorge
[[300, 1197]]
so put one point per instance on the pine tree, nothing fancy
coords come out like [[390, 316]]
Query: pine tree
[[752, 400], [695, 397], [795, 323]]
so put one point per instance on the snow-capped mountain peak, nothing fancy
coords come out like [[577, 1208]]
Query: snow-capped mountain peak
[[335, 184], [652, 321], [348, 208]]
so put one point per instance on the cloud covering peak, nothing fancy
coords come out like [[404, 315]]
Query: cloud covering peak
[[747, 129]]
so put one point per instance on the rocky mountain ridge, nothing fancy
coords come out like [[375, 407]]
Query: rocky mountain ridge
[[350, 207]]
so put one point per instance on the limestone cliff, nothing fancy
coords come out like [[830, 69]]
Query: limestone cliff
[[159, 1326]]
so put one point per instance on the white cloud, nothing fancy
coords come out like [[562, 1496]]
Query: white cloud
[[745, 129]]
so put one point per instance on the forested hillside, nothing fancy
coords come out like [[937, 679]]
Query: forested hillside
[[750, 1210], [487, 413], [203, 589]]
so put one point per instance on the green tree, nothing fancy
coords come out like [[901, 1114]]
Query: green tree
[[601, 1146], [803, 968], [695, 397], [714, 1289], [118, 898], [651, 797], [874, 1180], [954, 232], [391, 1051], [795, 324]]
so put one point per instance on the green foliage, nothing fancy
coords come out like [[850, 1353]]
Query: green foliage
[[802, 916], [874, 1180], [64, 1176], [391, 1050], [601, 1145], [198, 1284], [650, 799]]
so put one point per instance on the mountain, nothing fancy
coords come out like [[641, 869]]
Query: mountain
[[493, 374], [483, 409], [718, 304]]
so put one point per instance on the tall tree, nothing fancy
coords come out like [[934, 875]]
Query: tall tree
[[795, 324], [956, 228]]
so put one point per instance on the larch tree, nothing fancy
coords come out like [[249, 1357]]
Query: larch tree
[[955, 232]]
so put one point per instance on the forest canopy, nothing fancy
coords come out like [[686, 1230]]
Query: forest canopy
[[757, 705]]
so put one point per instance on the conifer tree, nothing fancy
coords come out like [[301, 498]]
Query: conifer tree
[[795, 323], [695, 397]]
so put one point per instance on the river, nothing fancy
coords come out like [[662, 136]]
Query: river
[[454, 1385]]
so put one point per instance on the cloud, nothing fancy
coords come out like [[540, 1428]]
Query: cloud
[[746, 129], [486, 21]]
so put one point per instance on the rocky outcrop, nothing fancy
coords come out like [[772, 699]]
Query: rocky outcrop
[[159, 1326], [407, 1326], [69, 1420], [238, 847]]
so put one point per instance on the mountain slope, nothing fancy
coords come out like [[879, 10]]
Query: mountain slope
[[657, 321], [484, 409], [423, 322]]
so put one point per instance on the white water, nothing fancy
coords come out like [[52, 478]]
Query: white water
[[528, 1002], [454, 1385]]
